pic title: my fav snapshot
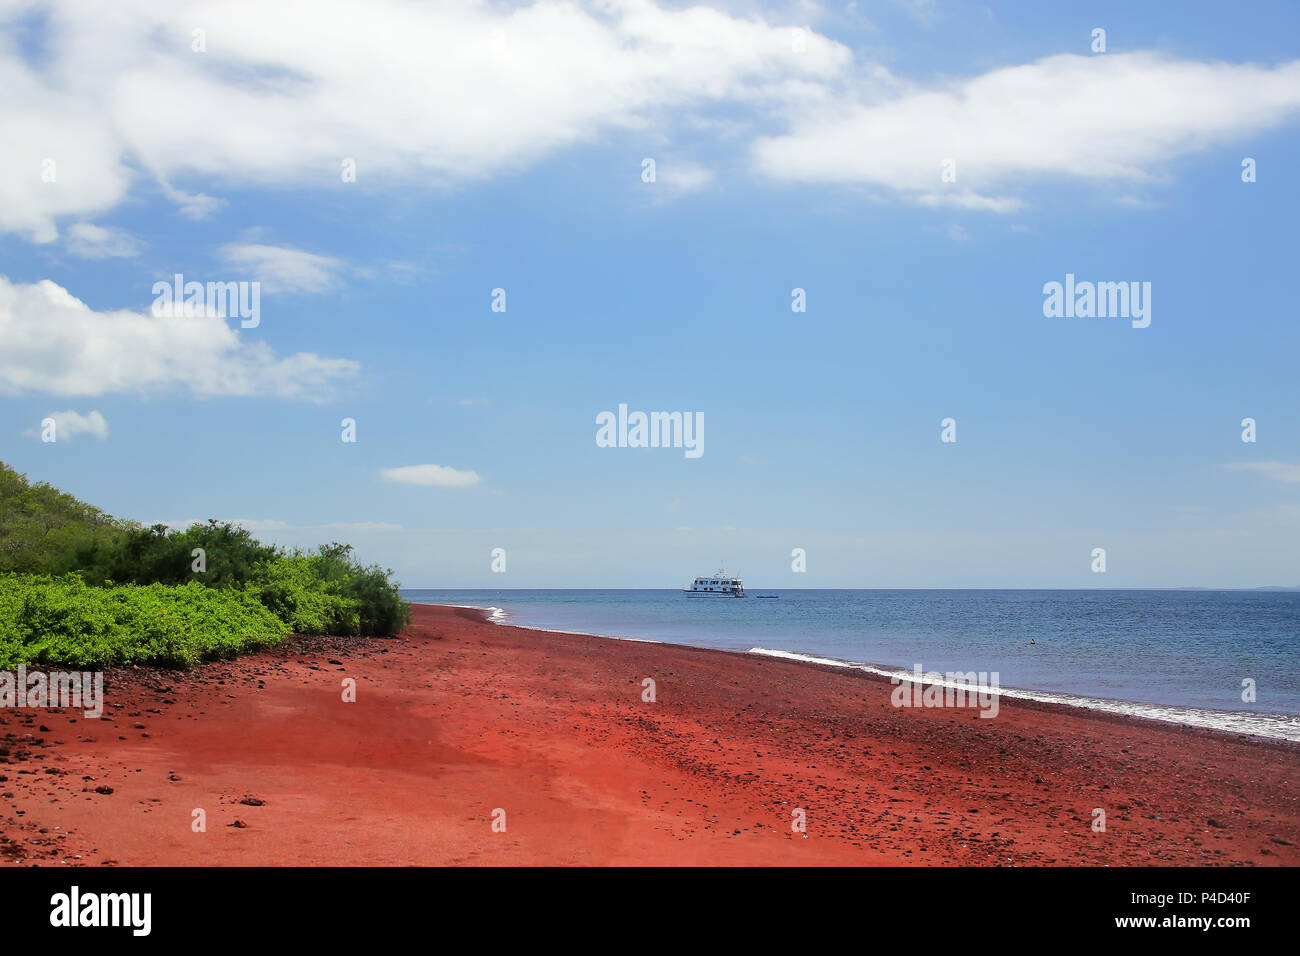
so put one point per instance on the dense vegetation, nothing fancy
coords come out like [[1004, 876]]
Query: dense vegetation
[[41, 526], [78, 587], [46, 620]]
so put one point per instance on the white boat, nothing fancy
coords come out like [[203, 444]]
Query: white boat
[[718, 585]]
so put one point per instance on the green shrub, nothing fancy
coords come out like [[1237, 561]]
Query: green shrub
[[162, 555], [78, 587], [380, 609], [293, 589], [47, 620], [320, 592]]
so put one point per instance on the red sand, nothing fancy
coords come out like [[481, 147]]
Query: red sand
[[460, 717]]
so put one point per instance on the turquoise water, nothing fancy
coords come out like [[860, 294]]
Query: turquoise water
[[1178, 655]]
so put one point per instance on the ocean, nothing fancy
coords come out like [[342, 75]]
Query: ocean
[[1172, 655]]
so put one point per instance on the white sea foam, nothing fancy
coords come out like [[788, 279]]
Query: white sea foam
[[495, 614], [1279, 726]]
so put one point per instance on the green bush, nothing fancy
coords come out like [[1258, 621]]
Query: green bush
[[293, 589], [380, 609], [48, 620], [162, 555], [78, 587]]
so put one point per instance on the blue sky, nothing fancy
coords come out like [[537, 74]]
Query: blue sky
[[822, 429]]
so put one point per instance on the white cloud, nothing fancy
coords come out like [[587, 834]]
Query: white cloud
[[683, 175], [426, 94], [472, 88], [283, 269], [196, 206], [405, 271], [1116, 117], [434, 476], [922, 10], [972, 202], [1277, 470], [61, 156], [70, 424], [358, 526], [90, 241], [55, 344]]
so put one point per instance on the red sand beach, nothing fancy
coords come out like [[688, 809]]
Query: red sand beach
[[460, 717]]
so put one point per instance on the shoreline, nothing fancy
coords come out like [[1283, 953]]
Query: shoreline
[[459, 718], [1275, 726]]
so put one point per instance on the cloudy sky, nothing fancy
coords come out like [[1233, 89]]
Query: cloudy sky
[[919, 168]]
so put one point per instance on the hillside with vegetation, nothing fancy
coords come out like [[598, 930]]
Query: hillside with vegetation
[[82, 588], [39, 525]]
